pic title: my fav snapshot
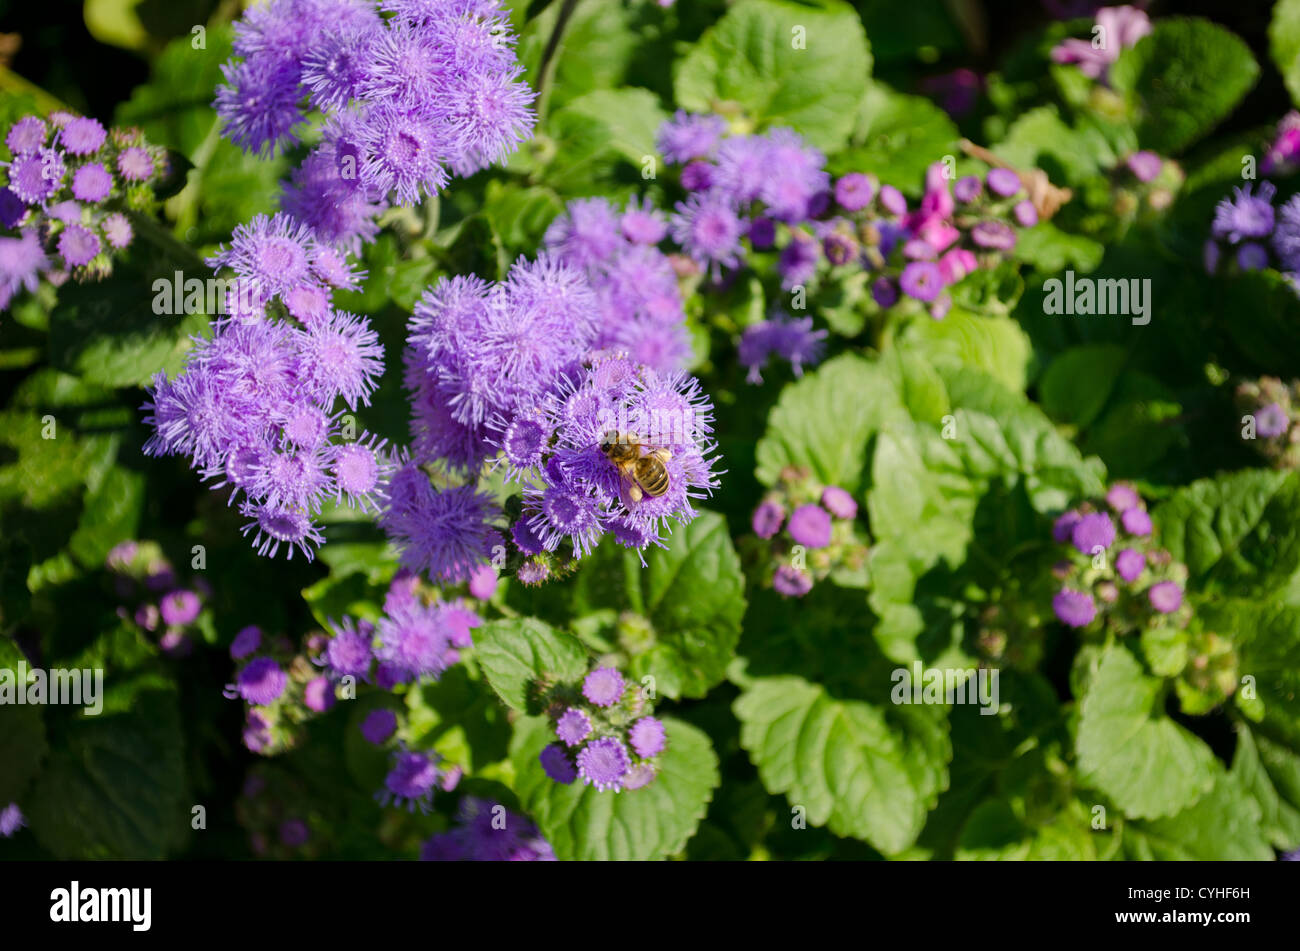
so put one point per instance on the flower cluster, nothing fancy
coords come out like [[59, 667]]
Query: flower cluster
[[142, 575], [253, 408], [1257, 234], [67, 188], [1115, 30], [282, 690], [488, 832], [636, 287], [606, 735], [431, 90], [508, 369], [804, 534], [1273, 408], [276, 811], [1116, 577], [1283, 154], [791, 339]]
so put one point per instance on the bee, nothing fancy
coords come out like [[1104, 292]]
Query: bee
[[645, 474]]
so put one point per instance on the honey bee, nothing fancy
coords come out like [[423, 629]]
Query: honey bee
[[645, 474]]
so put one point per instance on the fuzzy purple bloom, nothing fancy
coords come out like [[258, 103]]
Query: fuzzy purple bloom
[[1130, 563], [1003, 182], [180, 607], [839, 502], [261, 682], [1271, 421], [378, 726], [1136, 521], [790, 582], [767, 519], [647, 737], [603, 763], [810, 525], [557, 765], [604, 686], [573, 727], [1166, 597], [1092, 531], [1074, 608]]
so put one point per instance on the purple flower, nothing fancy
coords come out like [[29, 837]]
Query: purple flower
[[26, 135], [790, 582], [1286, 238], [967, 188], [135, 164], [839, 502], [798, 261], [921, 280], [1092, 531], [790, 339], [348, 652], [82, 136], [117, 231], [91, 183], [573, 727], [1130, 563], [1166, 597], [180, 607], [443, 532], [587, 233], [411, 781], [1271, 421], [604, 686], [1026, 214], [78, 245], [318, 695], [810, 525], [1003, 182], [1121, 26], [1252, 256], [1245, 215], [603, 763], [378, 726], [884, 292], [642, 223], [685, 137], [709, 230], [11, 820], [482, 582], [1122, 497], [261, 681], [994, 235], [697, 177], [35, 177], [416, 639], [557, 765], [1074, 608], [647, 737], [246, 642], [1145, 165], [1136, 521], [294, 833], [854, 191], [768, 518]]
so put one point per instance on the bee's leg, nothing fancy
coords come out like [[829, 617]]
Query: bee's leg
[[634, 492], [662, 454]]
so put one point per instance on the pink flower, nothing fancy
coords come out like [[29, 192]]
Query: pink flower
[[1117, 28]]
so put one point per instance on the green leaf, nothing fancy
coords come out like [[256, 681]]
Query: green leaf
[[785, 64], [1284, 44], [1239, 532], [638, 825], [1267, 637], [631, 117], [1223, 825], [826, 420], [995, 345], [842, 762], [111, 515], [1181, 80], [1076, 385], [897, 138], [1271, 774], [1049, 249], [515, 654], [994, 832], [519, 216], [114, 787], [22, 735], [1069, 156], [1147, 764], [692, 595]]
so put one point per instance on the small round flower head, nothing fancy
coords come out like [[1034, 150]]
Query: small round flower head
[[412, 780], [1130, 563], [967, 188], [482, 582], [358, 471], [798, 261], [709, 230], [839, 502], [993, 235], [1271, 421], [1003, 182], [294, 833], [921, 280], [768, 518], [1074, 608], [246, 642], [379, 725], [1091, 531], [884, 292], [11, 820], [318, 695], [486, 116], [277, 525], [348, 652], [1144, 165], [892, 200], [810, 525], [78, 245], [1166, 597], [117, 230], [258, 103], [1245, 215], [444, 532], [642, 223], [587, 234], [1026, 214], [532, 573], [1136, 521], [82, 136], [854, 191], [697, 177], [26, 135], [685, 137], [573, 727], [790, 582], [272, 253], [557, 765], [401, 154], [604, 686], [416, 640], [647, 737], [135, 164], [341, 356], [180, 607], [91, 183], [1252, 256], [1063, 527], [261, 682], [1121, 497], [603, 763], [524, 441], [36, 176]]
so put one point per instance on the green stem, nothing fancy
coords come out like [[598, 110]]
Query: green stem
[[546, 68]]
